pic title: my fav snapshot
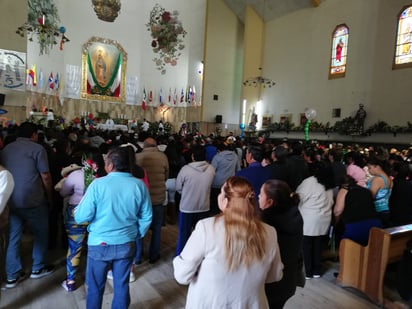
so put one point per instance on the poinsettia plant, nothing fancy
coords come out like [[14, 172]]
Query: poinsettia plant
[[89, 170]]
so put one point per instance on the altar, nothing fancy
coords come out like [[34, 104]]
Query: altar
[[111, 127]]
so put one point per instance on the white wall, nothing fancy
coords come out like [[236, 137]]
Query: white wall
[[297, 56], [130, 30], [223, 64]]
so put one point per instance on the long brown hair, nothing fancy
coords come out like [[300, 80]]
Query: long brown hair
[[244, 232]]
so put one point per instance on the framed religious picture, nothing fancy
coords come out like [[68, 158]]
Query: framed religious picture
[[285, 118], [303, 119], [103, 70], [266, 121]]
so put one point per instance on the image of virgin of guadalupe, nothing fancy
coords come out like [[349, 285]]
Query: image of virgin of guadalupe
[[100, 68], [104, 68]]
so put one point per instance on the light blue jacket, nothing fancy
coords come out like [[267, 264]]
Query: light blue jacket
[[118, 209]]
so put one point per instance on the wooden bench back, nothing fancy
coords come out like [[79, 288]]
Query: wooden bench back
[[364, 267]]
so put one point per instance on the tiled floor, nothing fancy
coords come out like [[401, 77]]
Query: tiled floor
[[155, 287]]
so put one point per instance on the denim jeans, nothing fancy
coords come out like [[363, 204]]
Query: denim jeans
[[171, 189], [38, 220], [156, 227], [100, 259]]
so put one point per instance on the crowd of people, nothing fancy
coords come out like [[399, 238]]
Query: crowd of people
[[252, 214]]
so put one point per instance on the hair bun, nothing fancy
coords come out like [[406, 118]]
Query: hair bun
[[250, 195]]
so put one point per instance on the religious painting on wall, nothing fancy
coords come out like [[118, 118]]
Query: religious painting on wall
[[266, 120], [285, 119], [403, 50], [103, 70], [339, 51]]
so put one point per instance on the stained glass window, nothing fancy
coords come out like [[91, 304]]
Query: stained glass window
[[403, 50], [339, 51]]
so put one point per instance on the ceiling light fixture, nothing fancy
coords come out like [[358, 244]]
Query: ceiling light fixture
[[259, 81]]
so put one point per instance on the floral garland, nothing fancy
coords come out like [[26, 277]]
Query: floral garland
[[167, 33]]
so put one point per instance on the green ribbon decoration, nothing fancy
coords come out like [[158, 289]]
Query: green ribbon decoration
[[306, 129]]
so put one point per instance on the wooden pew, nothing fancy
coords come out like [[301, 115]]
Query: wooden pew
[[364, 268]]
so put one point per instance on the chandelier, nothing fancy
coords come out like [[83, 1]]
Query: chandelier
[[259, 81], [42, 23], [106, 10]]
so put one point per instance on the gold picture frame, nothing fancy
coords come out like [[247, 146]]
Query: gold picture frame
[[285, 118], [103, 70], [266, 120]]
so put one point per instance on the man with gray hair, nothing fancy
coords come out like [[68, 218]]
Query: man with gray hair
[[118, 210], [157, 167]]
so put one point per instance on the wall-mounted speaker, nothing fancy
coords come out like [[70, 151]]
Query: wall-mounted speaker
[[218, 119], [336, 112], [2, 99]]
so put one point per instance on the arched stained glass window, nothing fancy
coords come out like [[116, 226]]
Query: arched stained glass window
[[339, 51], [403, 49]]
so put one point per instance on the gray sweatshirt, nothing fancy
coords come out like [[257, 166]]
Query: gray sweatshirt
[[194, 182], [226, 165]]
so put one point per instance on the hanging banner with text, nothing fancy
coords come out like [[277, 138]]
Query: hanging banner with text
[[12, 70], [73, 81], [132, 86]]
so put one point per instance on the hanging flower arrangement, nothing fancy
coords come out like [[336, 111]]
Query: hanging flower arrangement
[[167, 33], [43, 19]]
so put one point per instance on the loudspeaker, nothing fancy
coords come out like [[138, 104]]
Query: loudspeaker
[[336, 112], [2, 98], [218, 119]]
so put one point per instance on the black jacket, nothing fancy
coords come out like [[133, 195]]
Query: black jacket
[[289, 228]]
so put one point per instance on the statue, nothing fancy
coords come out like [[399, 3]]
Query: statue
[[360, 119], [253, 121]]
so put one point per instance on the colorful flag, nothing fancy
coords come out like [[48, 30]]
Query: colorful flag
[[41, 80], [160, 95], [169, 98], [187, 94], [33, 75], [175, 97], [189, 97], [150, 96], [144, 99], [182, 96], [51, 81], [57, 82]]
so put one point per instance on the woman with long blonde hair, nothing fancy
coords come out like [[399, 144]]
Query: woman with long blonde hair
[[229, 258]]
